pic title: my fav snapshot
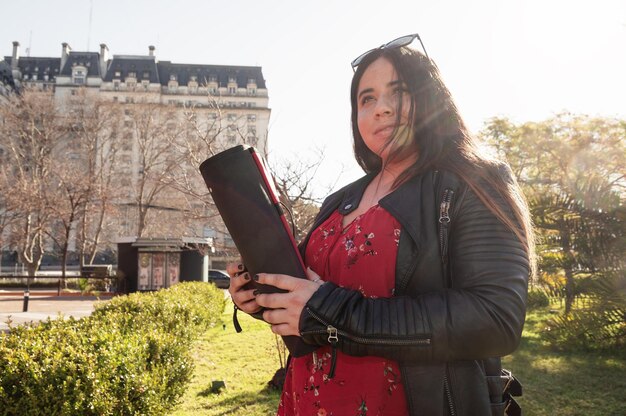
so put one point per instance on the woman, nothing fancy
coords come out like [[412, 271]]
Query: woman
[[417, 272]]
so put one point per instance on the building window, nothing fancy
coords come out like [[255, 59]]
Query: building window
[[172, 85], [132, 74], [232, 90], [116, 85], [118, 74], [146, 75], [251, 86], [79, 77], [251, 118]]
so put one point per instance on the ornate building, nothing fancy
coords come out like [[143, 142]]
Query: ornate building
[[229, 102]]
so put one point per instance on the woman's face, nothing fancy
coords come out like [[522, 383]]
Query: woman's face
[[379, 97]]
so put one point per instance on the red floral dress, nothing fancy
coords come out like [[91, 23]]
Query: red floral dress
[[361, 257]]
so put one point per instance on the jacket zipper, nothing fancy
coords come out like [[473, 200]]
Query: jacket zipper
[[446, 386], [444, 221], [333, 339]]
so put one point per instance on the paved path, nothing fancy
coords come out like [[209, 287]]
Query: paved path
[[42, 306]]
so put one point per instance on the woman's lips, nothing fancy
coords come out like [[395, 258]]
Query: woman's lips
[[384, 132]]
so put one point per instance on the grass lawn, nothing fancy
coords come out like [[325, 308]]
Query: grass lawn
[[244, 361], [555, 383], [560, 383]]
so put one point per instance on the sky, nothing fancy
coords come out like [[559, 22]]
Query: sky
[[522, 59]]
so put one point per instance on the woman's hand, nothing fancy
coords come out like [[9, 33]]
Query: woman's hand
[[284, 309], [243, 298]]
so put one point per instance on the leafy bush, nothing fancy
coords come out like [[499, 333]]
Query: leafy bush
[[131, 356], [537, 298], [600, 324]]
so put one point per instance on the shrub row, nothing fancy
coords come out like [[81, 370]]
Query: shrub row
[[132, 356], [537, 298]]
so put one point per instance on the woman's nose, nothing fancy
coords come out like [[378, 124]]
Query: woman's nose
[[384, 106]]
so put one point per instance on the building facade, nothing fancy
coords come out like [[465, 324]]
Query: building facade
[[227, 104]]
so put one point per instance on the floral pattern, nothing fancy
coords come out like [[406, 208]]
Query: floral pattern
[[360, 256]]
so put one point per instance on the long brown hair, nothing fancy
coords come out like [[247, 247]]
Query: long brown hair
[[442, 141]]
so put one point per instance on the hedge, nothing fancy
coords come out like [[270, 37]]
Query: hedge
[[132, 356], [537, 298]]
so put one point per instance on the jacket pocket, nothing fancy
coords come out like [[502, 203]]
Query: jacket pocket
[[497, 409]]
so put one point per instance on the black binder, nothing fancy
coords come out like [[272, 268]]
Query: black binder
[[245, 196]]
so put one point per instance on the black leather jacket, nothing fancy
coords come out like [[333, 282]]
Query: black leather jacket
[[440, 330]]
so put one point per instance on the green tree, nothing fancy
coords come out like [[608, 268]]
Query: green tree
[[572, 169]]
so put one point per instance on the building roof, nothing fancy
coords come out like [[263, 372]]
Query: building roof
[[204, 73], [6, 75], [90, 60], [143, 66], [37, 66], [7, 83]]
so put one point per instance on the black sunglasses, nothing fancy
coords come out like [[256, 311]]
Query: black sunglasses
[[396, 43]]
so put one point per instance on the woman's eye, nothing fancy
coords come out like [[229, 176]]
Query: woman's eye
[[366, 99]]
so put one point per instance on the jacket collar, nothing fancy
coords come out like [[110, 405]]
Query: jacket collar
[[404, 203], [353, 194]]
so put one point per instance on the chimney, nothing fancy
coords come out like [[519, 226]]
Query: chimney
[[16, 55], [64, 53], [104, 57], [151, 48]]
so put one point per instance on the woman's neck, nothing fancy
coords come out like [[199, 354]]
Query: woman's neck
[[392, 171]]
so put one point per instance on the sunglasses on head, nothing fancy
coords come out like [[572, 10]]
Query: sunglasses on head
[[396, 43]]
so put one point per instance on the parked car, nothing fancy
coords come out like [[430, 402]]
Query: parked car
[[220, 278]]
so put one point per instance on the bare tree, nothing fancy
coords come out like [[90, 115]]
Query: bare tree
[[31, 130], [295, 179], [153, 130], [95, 130]]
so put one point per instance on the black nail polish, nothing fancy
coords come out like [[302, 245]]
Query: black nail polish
[[256, 292], [240, 266], [256, 277], [246, 276]]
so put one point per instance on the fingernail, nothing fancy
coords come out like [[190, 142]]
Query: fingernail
[[256, 277], [240, 266], [236, 274], [256, 292], [246, 276]]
